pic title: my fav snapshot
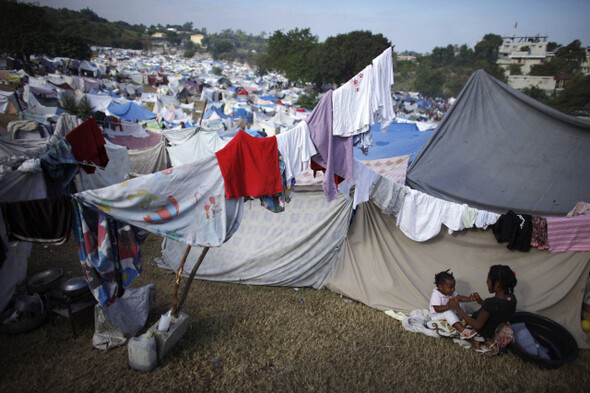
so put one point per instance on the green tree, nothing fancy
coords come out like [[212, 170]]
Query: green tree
[[188, 26], [575, 97], [172, 37], [343, 56], [551, 46], [488, 48], [442, 57], [222, 49], [430, 82], [308, 100], [190, 48], [535, 92], [291, 53], [574, 55], [566, 62], [465, 56], [515, 69], [28, 31], [90, 15]]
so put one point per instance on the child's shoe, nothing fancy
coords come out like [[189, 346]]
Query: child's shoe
[[467, 334]]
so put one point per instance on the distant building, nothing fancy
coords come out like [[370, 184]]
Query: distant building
[[547, 83], [525, 51], [586, 64], [197, 39], [406, 58]]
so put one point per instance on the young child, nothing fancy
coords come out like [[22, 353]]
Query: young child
[[494, 310], [439, 308]]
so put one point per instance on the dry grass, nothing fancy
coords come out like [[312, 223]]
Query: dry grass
[[268, 340]]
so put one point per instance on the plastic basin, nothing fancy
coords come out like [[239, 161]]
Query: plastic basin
[[561, 344]]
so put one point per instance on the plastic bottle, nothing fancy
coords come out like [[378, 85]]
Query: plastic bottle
[[143, 353]]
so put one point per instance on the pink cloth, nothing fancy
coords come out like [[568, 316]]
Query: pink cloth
[[565, 234]]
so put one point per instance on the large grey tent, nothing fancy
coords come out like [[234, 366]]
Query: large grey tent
[[498, 149]]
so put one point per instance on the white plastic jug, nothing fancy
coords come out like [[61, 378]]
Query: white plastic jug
[[143, 353], [164, 323]]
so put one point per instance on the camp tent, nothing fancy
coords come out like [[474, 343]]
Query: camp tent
[[498, 149], [8, 102], [495, 150], [85, 68], [130, 111]]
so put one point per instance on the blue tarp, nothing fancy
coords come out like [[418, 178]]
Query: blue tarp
[[400, 139], [423, 104], [213, 109], [269, 98], [130, 111], [244, 114], [109, 93], [255, 133], [47, 64]]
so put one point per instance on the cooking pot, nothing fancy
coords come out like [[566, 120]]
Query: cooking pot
[[45, 280], [75, 286], [29, 304]]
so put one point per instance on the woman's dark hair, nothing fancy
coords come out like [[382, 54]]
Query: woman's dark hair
[[503, 275], [440, 278]]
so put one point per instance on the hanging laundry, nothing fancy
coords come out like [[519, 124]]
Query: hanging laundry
[[88, 145], [250, 166], [469, 215], [388, 195], [516, 229], [316, 168], [539, 234], [184, 203], [334, 152], [59, 169], [422, 215], [364, 179], [296, 148], [485, 219], [565, 234], [108, 251], [40, 220], [382, 102], [580, 208], [352, 114], [276, 202]]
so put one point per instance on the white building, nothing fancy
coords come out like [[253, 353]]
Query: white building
[[525, 51]]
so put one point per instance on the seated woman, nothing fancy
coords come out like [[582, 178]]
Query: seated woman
[[495, 310]]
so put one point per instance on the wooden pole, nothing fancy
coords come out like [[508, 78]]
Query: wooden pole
[[202, 115], [177, 281], [191, 277]]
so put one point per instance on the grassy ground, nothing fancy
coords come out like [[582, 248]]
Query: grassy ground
[[243, 338]]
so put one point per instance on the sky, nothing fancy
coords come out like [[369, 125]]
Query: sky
[[419, 25]]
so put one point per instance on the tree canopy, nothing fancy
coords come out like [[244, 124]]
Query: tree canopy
[[300, 56], [29, 31], [566, 63]]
